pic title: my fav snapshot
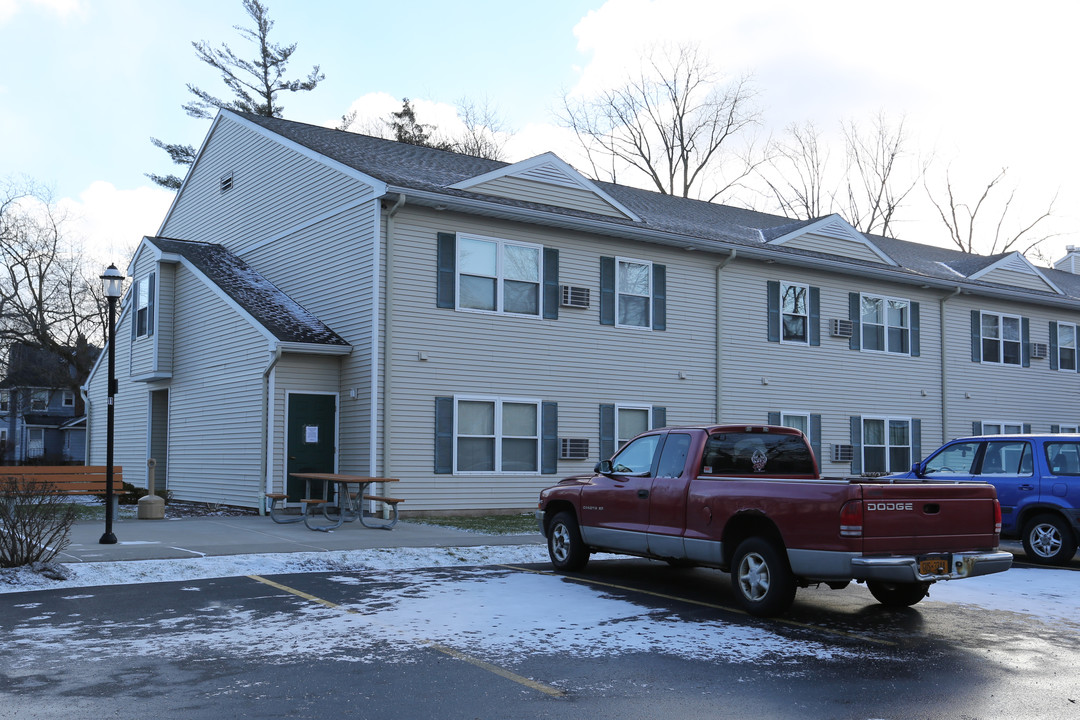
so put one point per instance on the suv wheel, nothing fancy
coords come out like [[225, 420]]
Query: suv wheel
[[1048, 540], [565, 547], [762, 580]]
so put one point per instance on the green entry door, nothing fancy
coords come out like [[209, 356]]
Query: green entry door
[[311, 440]]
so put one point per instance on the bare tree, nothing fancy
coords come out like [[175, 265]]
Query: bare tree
[[485, 132], [876, 186], [797, 176], [255, 84], [962, 220], [674, 123], [47, 298]]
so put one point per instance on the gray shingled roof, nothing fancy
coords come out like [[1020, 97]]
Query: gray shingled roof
[[282, 316], [405, 166]]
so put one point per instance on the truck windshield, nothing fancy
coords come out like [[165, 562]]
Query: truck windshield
[[757, 453]]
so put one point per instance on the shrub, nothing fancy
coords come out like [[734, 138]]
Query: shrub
[[35, 524]]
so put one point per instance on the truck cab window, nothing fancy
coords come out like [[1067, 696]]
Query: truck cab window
[[636, 458], [673, 456]]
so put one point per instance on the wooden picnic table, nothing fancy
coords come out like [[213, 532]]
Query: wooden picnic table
[[349, 503]]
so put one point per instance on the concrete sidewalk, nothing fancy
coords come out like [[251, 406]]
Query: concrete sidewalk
[[209, 536]]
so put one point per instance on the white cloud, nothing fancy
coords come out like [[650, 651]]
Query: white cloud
[[111, 222]]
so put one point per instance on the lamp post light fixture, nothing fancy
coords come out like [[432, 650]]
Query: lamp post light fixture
[[113, 282]]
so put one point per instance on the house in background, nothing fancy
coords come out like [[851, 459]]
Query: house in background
[[321, 300], [42, 416]]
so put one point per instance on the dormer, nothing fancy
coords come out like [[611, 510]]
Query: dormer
[[830, 235], [1016, 270], [1071, 261], [547, 180]]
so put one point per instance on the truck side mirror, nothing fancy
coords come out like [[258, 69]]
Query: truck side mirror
[[916, 469], [603, 467]]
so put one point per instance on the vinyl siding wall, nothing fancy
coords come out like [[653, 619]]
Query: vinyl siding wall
[[304, 374], [834, 246], [548, 194], [832, 380], [573, 361]]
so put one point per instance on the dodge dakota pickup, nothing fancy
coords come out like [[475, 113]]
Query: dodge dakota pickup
[[748, 500]]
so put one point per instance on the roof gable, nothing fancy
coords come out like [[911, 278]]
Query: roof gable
[[831, 235], [548, 179], [1015, 269]]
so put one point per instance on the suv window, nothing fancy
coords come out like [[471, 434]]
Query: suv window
[[1063, 458], [743, 453], [673, 457], [955, 459], [636, 456]]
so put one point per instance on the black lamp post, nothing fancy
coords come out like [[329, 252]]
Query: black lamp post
[[113, 282]]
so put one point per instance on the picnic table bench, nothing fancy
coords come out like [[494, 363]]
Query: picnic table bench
[[72, 480], [348, 505]]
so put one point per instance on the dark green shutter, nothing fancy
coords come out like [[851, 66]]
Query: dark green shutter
[[976, 336], [855, 316], [1027, 427], [916, 443], [856, 445], [1025, 338], [1055, 428], [815, 316], [659, 297], [133, 305], [446, 272], [150, 305], [444, 435], [773, 291], [1053, 346], [551, 284], [774, 418], [659, 417], [607, 431], [815, 438], [549, 439], [915, 329], [976, 427], [607, 292]]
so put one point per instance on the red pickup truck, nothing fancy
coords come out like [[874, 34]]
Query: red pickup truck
[[748, 499]]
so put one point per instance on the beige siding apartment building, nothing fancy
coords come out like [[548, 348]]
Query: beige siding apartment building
[[317, 300]]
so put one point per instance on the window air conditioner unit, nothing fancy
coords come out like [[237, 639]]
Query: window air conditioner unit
[[1039, 351], [840, 328], [573, 448], [843, 453], [577, 297]]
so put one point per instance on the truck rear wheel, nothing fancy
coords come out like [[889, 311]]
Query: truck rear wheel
[[763, 582], [1048, 540], [897, 594], [565, 546]]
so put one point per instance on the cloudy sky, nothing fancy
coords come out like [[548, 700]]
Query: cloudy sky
[[984, 85]]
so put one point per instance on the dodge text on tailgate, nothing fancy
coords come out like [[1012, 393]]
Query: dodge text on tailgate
[[748, 499]]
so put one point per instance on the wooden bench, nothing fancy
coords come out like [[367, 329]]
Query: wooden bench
[[68, 479], [392, 502], [274, 511]]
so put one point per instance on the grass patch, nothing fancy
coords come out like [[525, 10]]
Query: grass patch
[[524, 524]]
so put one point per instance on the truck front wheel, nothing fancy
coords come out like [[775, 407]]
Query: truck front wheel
[[763, 583], [565, 547], [897, 594], [1048, 540]]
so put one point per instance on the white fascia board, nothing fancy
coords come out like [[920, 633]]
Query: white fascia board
[[377, 186], [314, 348], [143, 245], [548, 158], [1012, 258], [848, 232]]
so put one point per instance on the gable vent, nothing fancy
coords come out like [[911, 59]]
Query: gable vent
[[840, 328], [226, 182], [843, 453], [1039, 351], [577, 297], [573, 448]]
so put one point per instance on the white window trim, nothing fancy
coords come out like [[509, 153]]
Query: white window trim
[[499, 279], [150, 303], [1001, 340], [5, 401], [64, 401], [631, 406], [33, 398], [804, 415], [619, 294], [886, 299], [1002, 424], [1073, 428], [888, 419], [1075, 347], [499, 400], [3, 435], [806, 288], [30, 449]]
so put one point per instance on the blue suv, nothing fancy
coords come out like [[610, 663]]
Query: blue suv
[[1038, 485]]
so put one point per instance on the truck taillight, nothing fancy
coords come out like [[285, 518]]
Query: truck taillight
[[997, 517], [851, 519]]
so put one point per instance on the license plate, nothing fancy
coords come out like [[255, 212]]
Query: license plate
[[935, 565]]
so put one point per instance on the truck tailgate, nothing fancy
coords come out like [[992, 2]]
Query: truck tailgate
[[920, 517]]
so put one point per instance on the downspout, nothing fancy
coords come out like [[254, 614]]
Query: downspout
[[388, 341], [267, 469], [944, 367], [719, 326], [88, 406]]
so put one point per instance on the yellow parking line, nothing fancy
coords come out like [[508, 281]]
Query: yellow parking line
[[702, 603], [456, 654]]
